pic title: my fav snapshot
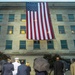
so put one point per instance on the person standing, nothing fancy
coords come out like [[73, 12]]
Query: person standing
[[16, 64], [7, 68], [22, 69], [28, 68], [72, 67], [58, 67]]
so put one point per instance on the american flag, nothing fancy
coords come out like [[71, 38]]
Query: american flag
[[38, 21]]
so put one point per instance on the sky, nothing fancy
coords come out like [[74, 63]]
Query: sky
[[37, 0]]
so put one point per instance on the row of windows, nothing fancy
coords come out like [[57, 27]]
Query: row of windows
[[23, 17], [36, 45], [23, 29], [11, 28], [62, 29], [12, 17], [70, 17]]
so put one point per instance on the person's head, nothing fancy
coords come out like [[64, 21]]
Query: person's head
[[57, 58], [16, 59], [73, 60], [22, 62], [27, 64], [9, 60]]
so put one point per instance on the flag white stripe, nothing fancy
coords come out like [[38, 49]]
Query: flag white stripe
[[39, 18], [32, 23], [44, 23], [48, 25], [29, 29], [36, 26]]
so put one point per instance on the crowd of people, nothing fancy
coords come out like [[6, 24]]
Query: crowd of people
[[16, 68], [20, 68]]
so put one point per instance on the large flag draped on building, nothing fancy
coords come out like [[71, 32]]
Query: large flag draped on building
[[38, 23]]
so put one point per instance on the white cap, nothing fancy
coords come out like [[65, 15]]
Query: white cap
[[16, 58]]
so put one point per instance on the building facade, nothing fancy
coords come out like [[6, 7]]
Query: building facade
[[13, 32]]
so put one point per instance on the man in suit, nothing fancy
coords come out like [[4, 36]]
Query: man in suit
[[58, 67], [7, 68], [22, 69]]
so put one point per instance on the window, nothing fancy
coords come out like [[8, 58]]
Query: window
[[8, 44], [61, 29], [0, 29], [22, 44], [63, 44], [11, 17], [59, 17], [36, 44], [1, 17], [10, 30], [74, 43], [71, 17], [73, 29], [50, 44], [23, 17], [22, 29]]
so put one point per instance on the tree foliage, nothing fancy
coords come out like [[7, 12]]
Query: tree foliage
[[52, 58], [3, 56]]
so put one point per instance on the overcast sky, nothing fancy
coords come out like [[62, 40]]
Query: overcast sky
[[37, 0]]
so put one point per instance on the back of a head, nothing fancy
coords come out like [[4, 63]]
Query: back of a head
[[73, 60], [9, 60], [22, 62], [57, 58], [27, 64]]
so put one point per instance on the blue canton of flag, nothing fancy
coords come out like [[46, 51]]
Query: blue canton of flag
[[32, 6]]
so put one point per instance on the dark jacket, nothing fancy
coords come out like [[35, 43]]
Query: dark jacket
[[2, 62], [7, 69], [58, 68], [41, 72], [22, 70], [28, 70]]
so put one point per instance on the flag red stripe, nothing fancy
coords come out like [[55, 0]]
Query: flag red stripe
[[51, 29], [29, 36], [46, 23], [39, 21], [26, 24], [42, 21], [38, 27], [34, 26], [30, 26]]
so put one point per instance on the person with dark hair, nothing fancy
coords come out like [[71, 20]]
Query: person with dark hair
[[72, 67], [8, 68], [22, 69], [58, 67], [2, 62]]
